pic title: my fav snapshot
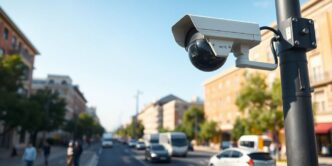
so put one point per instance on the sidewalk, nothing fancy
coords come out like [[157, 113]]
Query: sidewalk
[[5, 158], [323, 161], [58, 154]]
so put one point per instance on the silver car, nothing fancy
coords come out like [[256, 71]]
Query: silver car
[[241, 157]]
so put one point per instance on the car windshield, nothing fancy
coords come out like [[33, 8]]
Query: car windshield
[[141, 143], [260, 156], [107, 139], [249, 144], [154, 141], [179, 142], [157, 148]]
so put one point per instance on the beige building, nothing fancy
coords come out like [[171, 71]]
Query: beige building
[[152, 115], [172, 113], [76, 102], [221, 91]]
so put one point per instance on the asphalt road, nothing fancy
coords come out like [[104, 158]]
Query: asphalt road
[[124, 156]]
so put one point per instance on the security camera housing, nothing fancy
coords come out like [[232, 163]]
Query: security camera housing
[[224, 37]]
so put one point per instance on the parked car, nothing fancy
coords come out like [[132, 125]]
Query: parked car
[[157, 152], [241, 157], [132, 143], [255, 142], [140, 145], [107, 142]]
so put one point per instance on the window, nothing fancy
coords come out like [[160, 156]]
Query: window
[[64, 82], [51, 81], [249, 144], [319, 100], [316, 68], [236, 154], [19, 46], [225, 154], [5, 34], [2, 52], [260, 156], [14, 42]]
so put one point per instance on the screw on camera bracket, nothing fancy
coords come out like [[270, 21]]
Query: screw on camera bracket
[[298, 33]]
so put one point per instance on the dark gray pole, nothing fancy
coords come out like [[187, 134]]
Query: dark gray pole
[[136, 114], [297, 108]]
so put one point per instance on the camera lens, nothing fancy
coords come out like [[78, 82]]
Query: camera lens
[[202, 56]]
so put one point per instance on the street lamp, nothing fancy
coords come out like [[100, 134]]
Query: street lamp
[[138, 93], [209, 41]]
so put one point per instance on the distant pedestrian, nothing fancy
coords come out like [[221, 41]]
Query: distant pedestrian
[[29, 155], [70, 154], [77, 153], [47, 151]]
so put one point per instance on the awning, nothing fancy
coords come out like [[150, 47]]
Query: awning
[[323, 128]]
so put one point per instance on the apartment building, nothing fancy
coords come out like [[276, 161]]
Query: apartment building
[[221, 90], [152, 114], [76, 102], [14, 41], [173, 112]]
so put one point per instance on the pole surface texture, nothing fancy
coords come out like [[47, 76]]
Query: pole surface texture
[[296, 95]]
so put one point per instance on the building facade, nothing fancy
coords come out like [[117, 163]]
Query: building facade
[[63, 85], [173, 112], [220, 98], [14, 41], [92, 111], [152, 115]]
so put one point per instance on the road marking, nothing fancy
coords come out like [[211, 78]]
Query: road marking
[[126, 159], [100, 151]]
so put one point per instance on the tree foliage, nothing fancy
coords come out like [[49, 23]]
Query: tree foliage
[[192, 120], [51, 109], [128, 131], [261, 105], [83, 125], [12, 103], [209, 129]]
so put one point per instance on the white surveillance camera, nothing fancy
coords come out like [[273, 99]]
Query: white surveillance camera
[[209, 41]]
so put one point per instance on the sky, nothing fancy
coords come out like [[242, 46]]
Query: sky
[[112, 48]]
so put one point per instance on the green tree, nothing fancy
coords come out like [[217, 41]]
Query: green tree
[[13, 73], [137, 129], [163, 130], [261, 104], [46, 112], [191, 122], [209, 130], [83, 125]]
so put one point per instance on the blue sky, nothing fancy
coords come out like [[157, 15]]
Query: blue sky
[[111, 48]]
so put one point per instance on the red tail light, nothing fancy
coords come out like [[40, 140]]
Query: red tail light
[[250, 162]]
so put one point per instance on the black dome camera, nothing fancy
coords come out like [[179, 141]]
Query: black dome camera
[[201, 54]]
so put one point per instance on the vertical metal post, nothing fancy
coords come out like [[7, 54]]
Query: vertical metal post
[[296, 95], [136, 115]]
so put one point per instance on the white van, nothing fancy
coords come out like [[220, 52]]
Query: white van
[[255, 142], [151, 139], [176, 143]]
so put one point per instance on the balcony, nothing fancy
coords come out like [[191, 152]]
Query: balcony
[[320, 79], [28, 59]]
